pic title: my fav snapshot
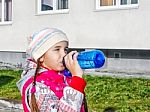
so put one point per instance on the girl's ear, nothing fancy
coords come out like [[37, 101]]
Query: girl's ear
[[41, 60]]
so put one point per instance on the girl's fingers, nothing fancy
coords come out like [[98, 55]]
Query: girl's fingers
[[75, 56], [70, 56], [72, 64]]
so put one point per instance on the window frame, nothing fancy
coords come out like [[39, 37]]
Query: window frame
[[115, 7], [3, 22], [54, 11]]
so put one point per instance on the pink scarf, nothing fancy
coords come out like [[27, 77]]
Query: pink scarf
[[56, 81]]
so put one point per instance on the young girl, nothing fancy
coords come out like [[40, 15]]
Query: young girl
[[43, 86]]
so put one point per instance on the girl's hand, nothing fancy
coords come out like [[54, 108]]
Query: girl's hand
[[72, 64]]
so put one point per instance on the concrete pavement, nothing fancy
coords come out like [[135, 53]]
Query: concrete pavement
[[118, 74], [10, 106]]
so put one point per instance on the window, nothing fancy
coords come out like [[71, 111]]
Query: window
[[52, 6], [5, 11], [107, 2], [116, 4], [117, 55], [24, 55]]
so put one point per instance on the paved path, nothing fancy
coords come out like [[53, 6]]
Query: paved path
[[10, 106], [120, 74]]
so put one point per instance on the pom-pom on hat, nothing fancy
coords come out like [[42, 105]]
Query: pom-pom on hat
[[44, 39]]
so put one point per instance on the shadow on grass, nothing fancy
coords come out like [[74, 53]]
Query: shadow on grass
[[5, 80], [110, 109]]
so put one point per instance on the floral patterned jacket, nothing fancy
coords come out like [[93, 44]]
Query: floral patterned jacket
[[54, 91]]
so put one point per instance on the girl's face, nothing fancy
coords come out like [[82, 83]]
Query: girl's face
[[52, 59]]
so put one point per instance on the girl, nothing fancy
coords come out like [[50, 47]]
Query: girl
[[43, 86]]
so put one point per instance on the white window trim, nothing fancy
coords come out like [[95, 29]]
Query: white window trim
[[2, 22], [54, 11], [117, 7], [5, 23]]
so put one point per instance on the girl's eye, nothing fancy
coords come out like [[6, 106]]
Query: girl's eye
[[56, 49]]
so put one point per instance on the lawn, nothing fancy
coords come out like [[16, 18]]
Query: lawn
[[125, 95], [8, 86]]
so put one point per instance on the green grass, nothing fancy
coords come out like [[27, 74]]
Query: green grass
[[8, 88], [125, 95]]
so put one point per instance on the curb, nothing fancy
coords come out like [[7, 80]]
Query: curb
[[121, 75], [11, 104]]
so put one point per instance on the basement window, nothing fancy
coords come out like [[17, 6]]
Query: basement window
[[117, 55], [24, 55]]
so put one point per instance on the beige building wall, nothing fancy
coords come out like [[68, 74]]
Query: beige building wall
[[85, 26]]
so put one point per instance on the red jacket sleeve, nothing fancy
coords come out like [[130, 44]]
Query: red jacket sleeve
[[78, 83]]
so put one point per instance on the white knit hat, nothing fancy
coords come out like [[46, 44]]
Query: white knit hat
[[44, 39]]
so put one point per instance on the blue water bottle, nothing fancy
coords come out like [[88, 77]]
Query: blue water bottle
[[89, 60]]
